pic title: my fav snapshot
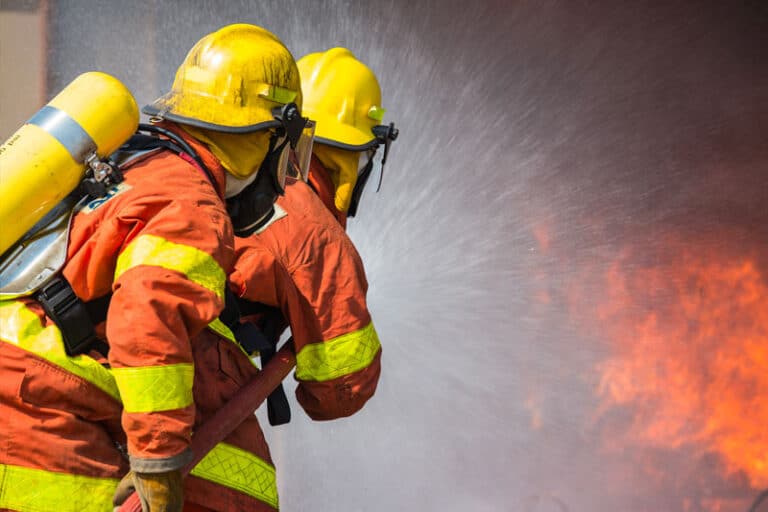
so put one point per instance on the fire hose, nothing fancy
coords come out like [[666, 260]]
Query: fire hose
[[233, 413]]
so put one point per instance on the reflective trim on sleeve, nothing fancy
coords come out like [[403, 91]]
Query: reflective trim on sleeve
[[22, 327], [155, 388], [155, 251], [339, 356], [48, 491], [238, 469]]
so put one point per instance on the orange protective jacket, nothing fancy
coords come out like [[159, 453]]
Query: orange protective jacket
[[162, 245], [238, 473], [305, 264]]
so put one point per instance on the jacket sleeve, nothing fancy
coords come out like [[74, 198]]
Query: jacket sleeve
[[168, 285], [306, 265], [256, 274], [338, 353]]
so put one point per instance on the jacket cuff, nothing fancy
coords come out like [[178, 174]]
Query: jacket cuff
[[163, 465]]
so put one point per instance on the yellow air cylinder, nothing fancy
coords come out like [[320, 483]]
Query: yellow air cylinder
[[45, 159]]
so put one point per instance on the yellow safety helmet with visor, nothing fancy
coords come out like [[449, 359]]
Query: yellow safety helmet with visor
[[230, 81], [233, 81], [342, 95], [238, 91]]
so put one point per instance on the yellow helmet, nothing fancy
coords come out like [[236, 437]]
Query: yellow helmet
[[230, 81], [342, 95]]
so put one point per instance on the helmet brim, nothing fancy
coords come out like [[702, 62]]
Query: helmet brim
[[331, 132], [159, 110]]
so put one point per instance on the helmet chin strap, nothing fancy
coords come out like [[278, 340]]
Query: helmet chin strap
[[357, 192]]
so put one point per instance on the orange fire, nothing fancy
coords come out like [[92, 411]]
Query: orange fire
[[688, 334]]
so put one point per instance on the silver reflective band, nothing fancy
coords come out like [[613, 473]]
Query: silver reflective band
[[65, 130]]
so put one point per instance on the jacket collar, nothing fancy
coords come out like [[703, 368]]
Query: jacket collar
[[208, 158]]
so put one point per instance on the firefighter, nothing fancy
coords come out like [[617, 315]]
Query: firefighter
[[238, 473], [151, 258], [303, 264]]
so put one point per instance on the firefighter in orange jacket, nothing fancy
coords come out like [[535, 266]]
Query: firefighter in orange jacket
[[238, 473], [303, 263], [159, 249]]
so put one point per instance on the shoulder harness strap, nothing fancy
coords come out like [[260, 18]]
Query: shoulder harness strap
[[77, 319], [263, 339]]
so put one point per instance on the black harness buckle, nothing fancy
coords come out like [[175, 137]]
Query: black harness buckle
[[69, 313]]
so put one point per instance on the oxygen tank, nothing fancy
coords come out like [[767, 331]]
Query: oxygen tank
[[47, 157]]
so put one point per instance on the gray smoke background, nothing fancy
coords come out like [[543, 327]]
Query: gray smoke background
[[537, 139]]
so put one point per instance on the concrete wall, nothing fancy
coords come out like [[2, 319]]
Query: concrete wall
[[22, 62]]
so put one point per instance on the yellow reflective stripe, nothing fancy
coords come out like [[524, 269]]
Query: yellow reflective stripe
[[339, 356], [46, 491], [222, 330], [238, 469], [151, 250], [21, 327], [155, 388]]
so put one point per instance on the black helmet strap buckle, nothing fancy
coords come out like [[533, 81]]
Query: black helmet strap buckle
[[292, 124], [385, 134]]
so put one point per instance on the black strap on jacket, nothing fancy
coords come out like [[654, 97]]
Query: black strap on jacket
[[70, 314], [278, 409], [246, 334], [77, 322], [251, 338], [76, 319]]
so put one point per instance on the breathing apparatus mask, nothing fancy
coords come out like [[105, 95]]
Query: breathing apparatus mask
[[253, 206]]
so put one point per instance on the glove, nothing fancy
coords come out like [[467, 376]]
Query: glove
[[158, 492]]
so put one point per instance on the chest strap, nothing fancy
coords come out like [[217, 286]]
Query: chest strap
[[74, 319]]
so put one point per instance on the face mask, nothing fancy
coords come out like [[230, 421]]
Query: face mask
[[240, 154], [253, 206], [235, 185]]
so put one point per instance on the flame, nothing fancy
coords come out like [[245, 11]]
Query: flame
[[688, 341], [541, 232], [533, 406]]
